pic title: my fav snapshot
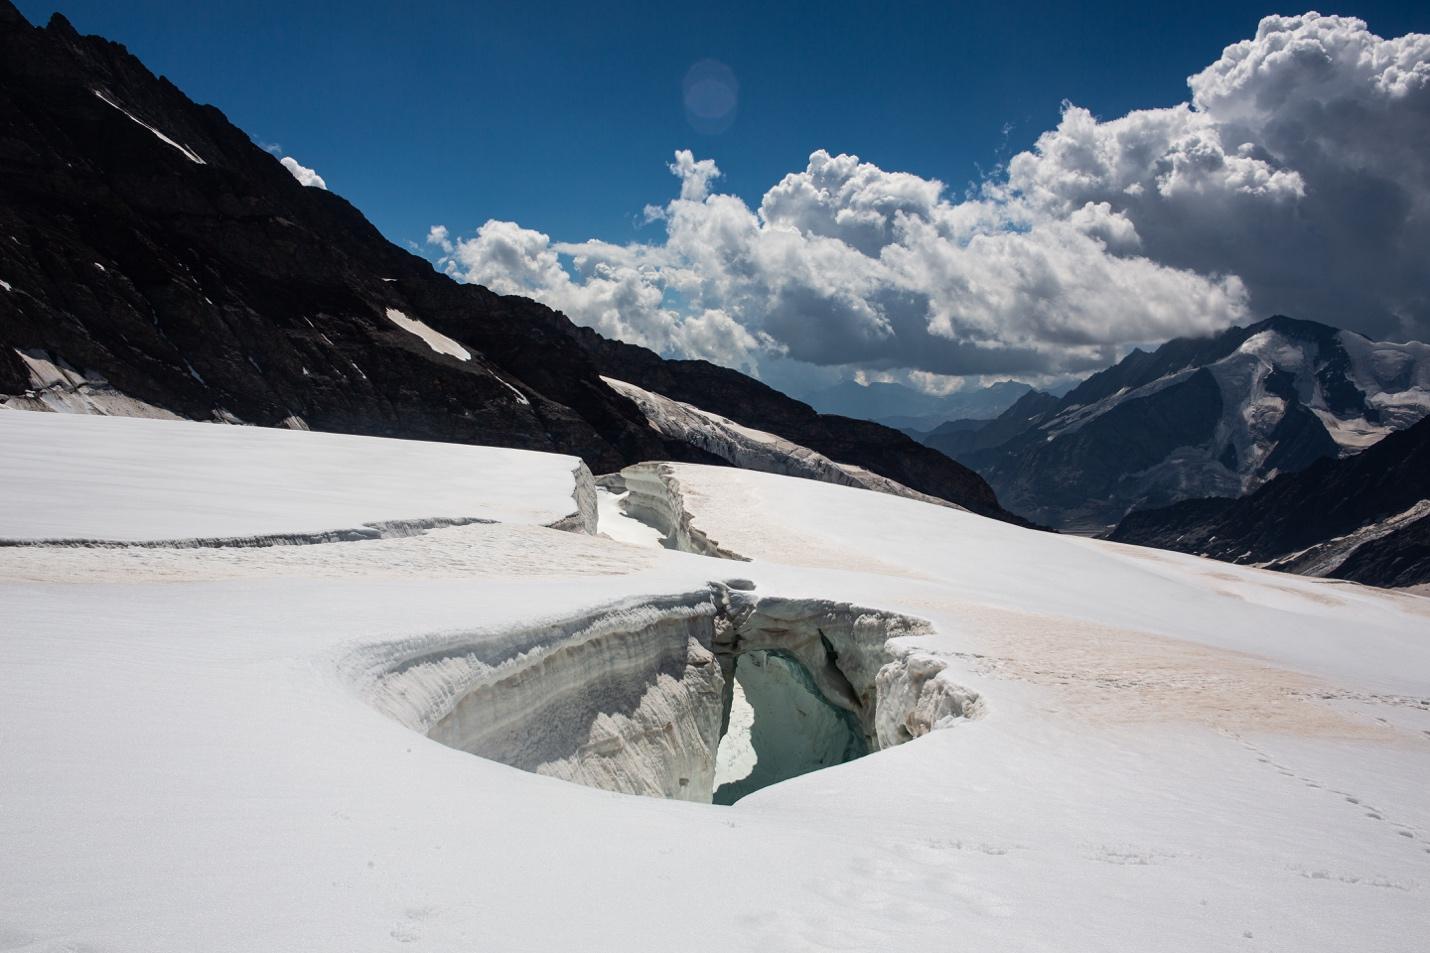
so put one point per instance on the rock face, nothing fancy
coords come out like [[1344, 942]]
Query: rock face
[[1365, 517], [1197, 418], [155, 262], [965, 435]]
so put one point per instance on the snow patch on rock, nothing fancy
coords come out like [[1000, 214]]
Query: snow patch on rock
[[57, 387], [185, 151], [436, 340], [1325, 558]]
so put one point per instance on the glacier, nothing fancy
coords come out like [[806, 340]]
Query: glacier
[[754, 449], [954, 731]]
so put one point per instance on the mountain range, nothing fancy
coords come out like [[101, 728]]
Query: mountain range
[[155, 262], [1365, 517], [908, 409], [1206, 417]]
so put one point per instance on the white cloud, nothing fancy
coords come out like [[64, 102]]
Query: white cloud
[[302, 173], [1295, 180], [695, 177], [437, 235]]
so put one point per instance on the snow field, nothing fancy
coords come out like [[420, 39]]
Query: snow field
[[1170, 753], [133, 480]]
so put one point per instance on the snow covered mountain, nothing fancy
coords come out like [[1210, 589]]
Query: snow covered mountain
[[1364, 517], [155, 262], [270, 690], [965, 435], [1204, 417]]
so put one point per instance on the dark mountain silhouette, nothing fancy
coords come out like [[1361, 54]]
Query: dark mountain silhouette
[[153, 260], [1365, 517]]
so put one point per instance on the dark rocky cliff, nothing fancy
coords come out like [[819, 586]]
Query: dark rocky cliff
[[149, 250]]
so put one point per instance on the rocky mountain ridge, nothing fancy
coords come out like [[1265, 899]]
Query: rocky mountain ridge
[[1365, 517], [154, 261], [1215, 416]]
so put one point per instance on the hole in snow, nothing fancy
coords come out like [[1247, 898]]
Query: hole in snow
[[786, 728], [705, 696]]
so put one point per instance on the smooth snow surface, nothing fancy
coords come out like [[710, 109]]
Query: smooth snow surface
[[225, 750], [124, 479], [185, 151], [436, 340]]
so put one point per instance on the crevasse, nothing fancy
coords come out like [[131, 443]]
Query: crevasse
[[635, 697]]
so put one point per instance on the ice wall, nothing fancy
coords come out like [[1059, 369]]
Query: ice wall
[[654, 497], [635, 697], [583, 494], [793, 730], [625, 698]]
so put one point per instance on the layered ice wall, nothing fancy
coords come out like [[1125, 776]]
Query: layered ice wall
[[625, 698], [636, 697], [654, 497]]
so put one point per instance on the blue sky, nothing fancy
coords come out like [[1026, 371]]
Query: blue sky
[[563, 115], [1294, 178]]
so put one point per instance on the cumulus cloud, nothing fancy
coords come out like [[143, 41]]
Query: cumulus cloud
[[302, 173], [1295, 180]]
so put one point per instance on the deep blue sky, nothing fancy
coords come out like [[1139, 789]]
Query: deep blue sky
[[562, 116]]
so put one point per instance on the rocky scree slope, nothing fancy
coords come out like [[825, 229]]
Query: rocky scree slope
[[155, 262]]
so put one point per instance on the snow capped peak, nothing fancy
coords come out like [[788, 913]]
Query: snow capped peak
[[1208, 417]]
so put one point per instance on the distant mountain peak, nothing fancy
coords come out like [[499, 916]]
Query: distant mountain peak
[[1226, 413]]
